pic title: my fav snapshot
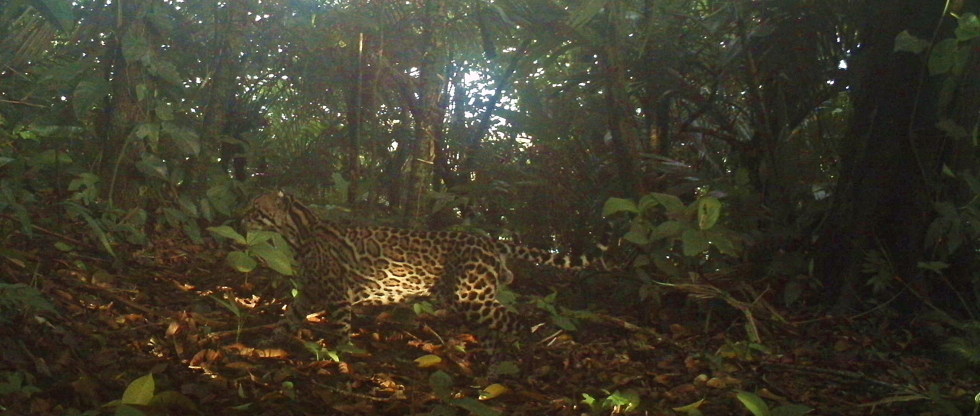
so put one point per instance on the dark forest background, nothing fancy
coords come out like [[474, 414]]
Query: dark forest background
[[810, 157]]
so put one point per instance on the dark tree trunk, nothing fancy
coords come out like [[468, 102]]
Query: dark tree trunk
[[890, 159], [118, 168]]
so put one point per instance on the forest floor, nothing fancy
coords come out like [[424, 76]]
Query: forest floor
[[205, 334]]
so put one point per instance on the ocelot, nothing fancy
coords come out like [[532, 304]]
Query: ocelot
[[345, 266]]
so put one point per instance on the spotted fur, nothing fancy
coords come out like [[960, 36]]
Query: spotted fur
[[345, 266]]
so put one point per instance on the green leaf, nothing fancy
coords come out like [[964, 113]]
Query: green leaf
[[241, 262], [255, 238], [792, 292], [50, 158], [667, 229], [505, 368], [441, 384], [475, 407], [721, 240], [935, 266], [637, 238], [164, 112], [173, 400], [665, 265], [228, 232], [943, 57], [140, 391], [5, 160], [563, 322], [88, 94], [709, 209], [165, 70], [968, 27], [614, 205], [694, 242], [585, 12], [672, 203], [753, 403], [275, 257], [134, 47], [221, 199], [791, 410], [142, 92], [127, 410], [57, 12], [187, 140], [906, 42], [153, 167]]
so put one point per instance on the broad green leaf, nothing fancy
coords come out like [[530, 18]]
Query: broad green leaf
[[753, 403], [127, 410], [443, 410], [629, 400], [614, 205], [164, 69], [637, 238], [228, 232], [505, 368], [5, 160], [221, 199], [258, 237], [791, 410], [709, 209], [57, 12], [906, 42], [935, 266], [173, 400], [134, 47], [441, 384], [672, 203], [140, 391], [792, 292], [563, 322], [665, 265], [50, 158], [968, 27], [153, 167], [88, 94], [723, 244], [241, 262], [142, 92], [584, 12], [475, 407], [667, 229], [943, 57], [694, 242], [275, 257], [187, 140], [164, 112]]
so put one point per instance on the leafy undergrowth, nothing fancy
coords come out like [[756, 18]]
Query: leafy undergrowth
[[175, 332]]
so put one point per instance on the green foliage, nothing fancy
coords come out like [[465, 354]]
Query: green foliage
[[618, 402], [660, 221], [560, 319], [967, 346], [442, 386], [758, 407], [19, 298], [20, 383], [139, 399], [267, 246]]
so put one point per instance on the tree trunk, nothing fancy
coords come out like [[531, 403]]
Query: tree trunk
[[427, 113], [118, 168], [229, 19], [889, 160]]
